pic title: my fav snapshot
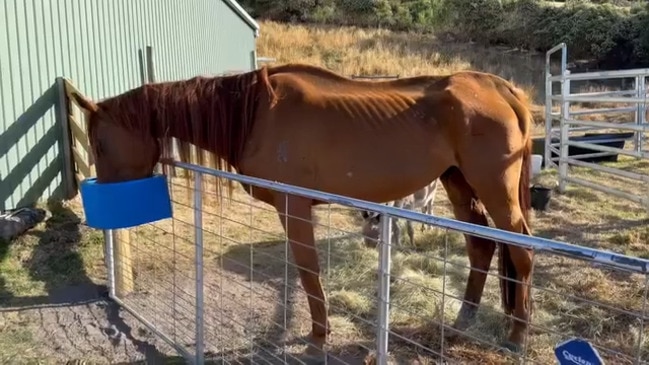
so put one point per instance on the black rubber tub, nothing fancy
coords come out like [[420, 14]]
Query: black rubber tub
[[541, 196], [615, 140]]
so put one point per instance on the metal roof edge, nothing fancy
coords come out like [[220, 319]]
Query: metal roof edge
[[244, 15]]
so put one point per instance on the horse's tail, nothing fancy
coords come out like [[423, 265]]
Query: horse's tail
[[525, 121], [520, 105], [524, 196]]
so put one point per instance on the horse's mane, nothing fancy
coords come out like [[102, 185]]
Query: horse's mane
[[213, 114]]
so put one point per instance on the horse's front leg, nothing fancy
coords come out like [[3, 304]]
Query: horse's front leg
[[295, 215]]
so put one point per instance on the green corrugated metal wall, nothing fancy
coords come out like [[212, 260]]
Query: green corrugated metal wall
[[95, 44], [238, 36]]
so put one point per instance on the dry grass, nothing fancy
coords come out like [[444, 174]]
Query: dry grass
[[244, 230], [361, 51]]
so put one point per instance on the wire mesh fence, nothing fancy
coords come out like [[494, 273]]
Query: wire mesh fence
[[221, 283]]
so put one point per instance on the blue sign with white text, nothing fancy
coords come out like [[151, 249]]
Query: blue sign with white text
[[577, 352]]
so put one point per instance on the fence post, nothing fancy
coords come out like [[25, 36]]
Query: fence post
[[198, 236], [149, 65], [142, 63], [124, 283], [565, 129], [384, 290], [68, 173], [547, 158], [253, 60], [109, 254], [641, 110]]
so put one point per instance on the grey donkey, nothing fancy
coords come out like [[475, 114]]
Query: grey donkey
[[422, 200]]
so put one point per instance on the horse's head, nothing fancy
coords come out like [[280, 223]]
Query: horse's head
[[370, 217], [120, 154]]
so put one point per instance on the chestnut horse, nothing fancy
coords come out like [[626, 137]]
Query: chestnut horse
[[376, 141]]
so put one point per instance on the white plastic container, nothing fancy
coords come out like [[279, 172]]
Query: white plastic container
[[535, 166]]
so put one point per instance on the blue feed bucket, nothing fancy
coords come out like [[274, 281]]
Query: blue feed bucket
[[125, 204]]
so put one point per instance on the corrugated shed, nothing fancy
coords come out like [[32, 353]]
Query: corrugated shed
[[95, 44]]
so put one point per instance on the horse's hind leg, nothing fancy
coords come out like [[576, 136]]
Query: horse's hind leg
[[296, 219], [467, 208], [498, 189]]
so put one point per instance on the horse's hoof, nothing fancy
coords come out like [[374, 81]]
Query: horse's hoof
[[284, 337], [312, 350], [465, 317], [512, 346], [314, 355], [312, 360], [315, 346], [452, 334], [460, 326]]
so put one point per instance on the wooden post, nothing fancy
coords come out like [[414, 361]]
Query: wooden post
[[149, 65], [254, 63], [143, 76], [124, 275], [68, 162], [122, 259], [124, 278]]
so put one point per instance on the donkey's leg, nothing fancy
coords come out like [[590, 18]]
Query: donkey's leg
[[499, 191], [396, 233], [431, 201], [433, 194], [296, 219], [411, 233], [428, 208], [467, 208], [370, 232]]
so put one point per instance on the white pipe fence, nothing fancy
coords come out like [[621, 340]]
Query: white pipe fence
[[183, 287], [559, 139]]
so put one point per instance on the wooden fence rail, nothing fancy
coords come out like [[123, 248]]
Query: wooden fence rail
[[84, 166]]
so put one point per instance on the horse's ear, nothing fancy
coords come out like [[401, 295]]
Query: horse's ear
[[85, 103], [367, 215]]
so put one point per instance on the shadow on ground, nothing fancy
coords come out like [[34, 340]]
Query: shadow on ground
[[428, 334], [261, 355], [269, 269], [54, 262], [75, 316], [588, 233]]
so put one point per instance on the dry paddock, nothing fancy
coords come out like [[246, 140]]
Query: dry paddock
[[248, 300]]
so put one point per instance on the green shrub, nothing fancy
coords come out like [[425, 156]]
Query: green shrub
[[607, 34], [598, 30], [476, 18]]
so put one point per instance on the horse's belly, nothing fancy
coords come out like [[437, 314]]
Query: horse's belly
[[380, 176], [331, 157], [339, 173]]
